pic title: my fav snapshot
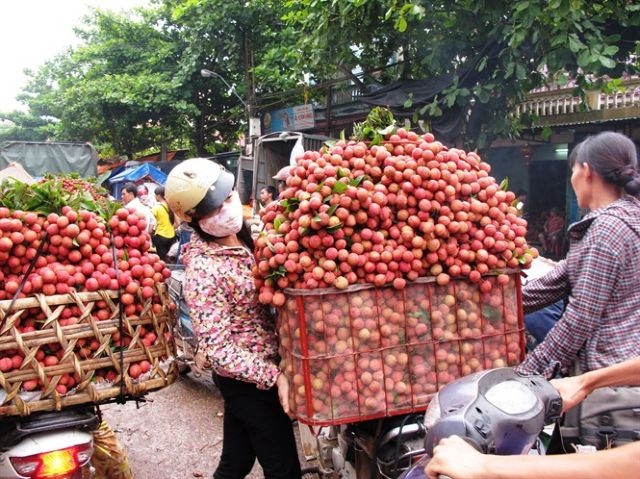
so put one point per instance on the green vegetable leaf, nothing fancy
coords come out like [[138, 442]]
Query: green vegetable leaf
[[339, 187]]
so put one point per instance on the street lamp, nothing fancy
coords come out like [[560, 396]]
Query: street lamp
[[210, 74], [254, 123], [254, 132]]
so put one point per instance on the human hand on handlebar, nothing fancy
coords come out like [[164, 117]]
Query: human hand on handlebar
[[572, 390], [456, 458]]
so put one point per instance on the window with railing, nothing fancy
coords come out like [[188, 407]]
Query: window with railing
[[542, 102], [552, 102]]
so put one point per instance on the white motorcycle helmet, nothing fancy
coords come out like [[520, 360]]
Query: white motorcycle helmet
[[196, 187]]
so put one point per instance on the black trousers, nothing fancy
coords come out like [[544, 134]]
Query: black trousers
[[255, 426], [163, 245]]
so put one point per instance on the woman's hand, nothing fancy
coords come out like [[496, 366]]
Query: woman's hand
[[282, 383], [456, 458], [199, 363], [572, 389]]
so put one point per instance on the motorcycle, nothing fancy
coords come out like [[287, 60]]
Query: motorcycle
[[51, 445], [371, 449], [186, 340], [496, 410]]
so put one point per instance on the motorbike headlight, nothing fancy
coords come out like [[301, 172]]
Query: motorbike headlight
[[511, 397], [433, 412]]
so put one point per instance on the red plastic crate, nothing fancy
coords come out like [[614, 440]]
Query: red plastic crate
[[365, 352]]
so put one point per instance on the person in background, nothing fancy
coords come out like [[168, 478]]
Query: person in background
[[143, 194], [539, 323], [551, 235], [236, 333], [165, 234], [183, 231], [281, 177], [267, 195], [129, 196], [457, 459], [598, 280], [520, 203]]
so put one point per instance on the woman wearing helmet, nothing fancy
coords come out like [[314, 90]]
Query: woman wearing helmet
[[236, 334]]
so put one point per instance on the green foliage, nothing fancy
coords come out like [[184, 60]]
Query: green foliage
[[134, 83], [53, 192], [379, 122], [21, 126], [117, 88], [338, 37], [249, 46], [494, 52]]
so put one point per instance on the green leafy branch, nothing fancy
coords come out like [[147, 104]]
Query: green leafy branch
[[53, 192], [379, 122]]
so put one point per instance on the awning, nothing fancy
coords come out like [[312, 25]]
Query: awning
[[144, 171]]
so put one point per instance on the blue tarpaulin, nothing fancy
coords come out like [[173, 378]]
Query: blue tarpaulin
[[139, 174]]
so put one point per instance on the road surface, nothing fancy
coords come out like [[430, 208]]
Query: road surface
[[175, 434]]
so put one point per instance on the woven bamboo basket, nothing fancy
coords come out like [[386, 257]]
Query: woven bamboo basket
[[86, 369]]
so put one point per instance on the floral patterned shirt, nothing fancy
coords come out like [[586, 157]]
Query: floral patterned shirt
[[234, 329], [600, 278]]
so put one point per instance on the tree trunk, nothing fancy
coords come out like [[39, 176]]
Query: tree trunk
[[163, 150]]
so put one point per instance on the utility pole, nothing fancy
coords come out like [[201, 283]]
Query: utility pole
[[254, 122]]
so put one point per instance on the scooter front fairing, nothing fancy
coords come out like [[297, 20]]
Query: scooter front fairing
[[497, 411]]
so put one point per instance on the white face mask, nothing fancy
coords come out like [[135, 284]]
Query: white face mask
[[228, 221]]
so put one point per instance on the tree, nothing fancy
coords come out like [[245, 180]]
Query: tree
[[117, 88], [135, 82], [245, 43], [21, 126], [490, 53]]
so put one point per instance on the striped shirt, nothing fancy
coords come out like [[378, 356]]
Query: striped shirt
[[600, 278]]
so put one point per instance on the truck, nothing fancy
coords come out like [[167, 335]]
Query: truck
[[41, 157], [272, 152]]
